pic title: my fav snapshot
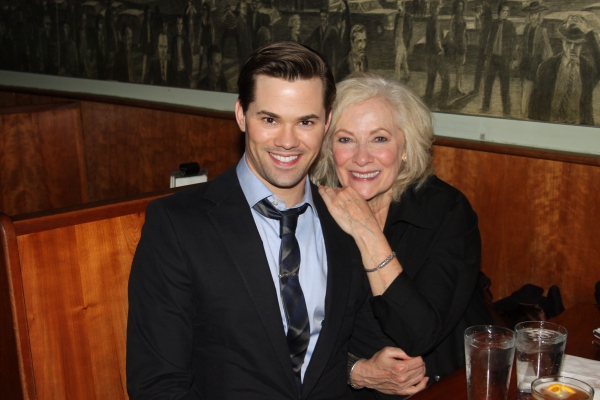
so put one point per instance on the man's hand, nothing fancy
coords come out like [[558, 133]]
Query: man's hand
[[391, 371]]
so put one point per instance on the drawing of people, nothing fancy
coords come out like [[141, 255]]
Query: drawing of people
[[564, 87]]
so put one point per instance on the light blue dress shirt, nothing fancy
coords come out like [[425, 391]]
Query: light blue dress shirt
[[313, 258]]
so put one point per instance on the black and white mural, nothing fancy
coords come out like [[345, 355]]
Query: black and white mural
[[537, 60]]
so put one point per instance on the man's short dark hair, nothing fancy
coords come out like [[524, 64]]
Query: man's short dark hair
[[501, 6], [285, 60]]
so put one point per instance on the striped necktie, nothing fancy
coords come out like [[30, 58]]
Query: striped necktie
[[298, 333]]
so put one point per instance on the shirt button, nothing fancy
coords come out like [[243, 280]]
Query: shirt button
[[275, 203]]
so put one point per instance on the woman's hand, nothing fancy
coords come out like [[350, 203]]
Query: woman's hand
[[349, 209], [353, 214], [391, 371]]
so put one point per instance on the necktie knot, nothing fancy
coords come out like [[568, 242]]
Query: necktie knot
[[288, 218]]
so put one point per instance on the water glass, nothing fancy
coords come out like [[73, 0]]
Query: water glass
[[489, 354], [540, 351]]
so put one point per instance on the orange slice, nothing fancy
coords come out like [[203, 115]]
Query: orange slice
[[559, 389]]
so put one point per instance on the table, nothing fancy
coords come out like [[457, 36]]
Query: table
[[580, 320]]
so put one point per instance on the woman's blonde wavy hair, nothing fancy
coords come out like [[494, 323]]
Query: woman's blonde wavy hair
[[412, 117]]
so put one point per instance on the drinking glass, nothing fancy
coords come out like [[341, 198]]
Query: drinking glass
[[489, 354], [540, 351]]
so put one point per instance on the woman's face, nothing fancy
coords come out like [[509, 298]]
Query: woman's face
[[368, 147]]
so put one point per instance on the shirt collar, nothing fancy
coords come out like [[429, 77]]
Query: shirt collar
[[254, 190]]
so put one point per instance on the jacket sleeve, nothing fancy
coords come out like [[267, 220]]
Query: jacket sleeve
[[426, 302], [159, 326]]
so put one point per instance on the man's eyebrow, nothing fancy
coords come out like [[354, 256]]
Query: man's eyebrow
[[301, 118]]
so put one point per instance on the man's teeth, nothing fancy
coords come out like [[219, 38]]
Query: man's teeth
[[284, 159], [365, 176]]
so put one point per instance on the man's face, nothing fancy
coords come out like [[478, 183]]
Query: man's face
[[401, 7], [359, 44], [47, 24], [504, 12], [571, 49], [243, 9], [254, 5], [284, 126], [324, 20], [215, 63], [179, 26], [534, 17], [163, 46]]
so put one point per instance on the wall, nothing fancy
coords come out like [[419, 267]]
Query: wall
[[538, 211]]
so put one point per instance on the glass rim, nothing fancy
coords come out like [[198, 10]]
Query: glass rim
[[566, 379], [487, 328], [542, 324]]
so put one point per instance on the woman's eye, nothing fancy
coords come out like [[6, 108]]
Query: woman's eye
[[343, 140], [380, 139]]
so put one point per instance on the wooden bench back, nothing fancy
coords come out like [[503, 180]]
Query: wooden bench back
[[63, 299]]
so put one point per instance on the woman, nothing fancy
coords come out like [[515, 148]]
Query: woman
[[417, 235], [294, 25]]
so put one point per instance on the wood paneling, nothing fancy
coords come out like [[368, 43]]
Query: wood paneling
[[133, 150], [538, 219], [41, 157]]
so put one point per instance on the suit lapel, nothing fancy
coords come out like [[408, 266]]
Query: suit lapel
[[233, 218], [339, 278]]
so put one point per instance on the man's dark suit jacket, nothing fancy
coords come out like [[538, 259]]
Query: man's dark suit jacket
[[154, 75], [509, 39], [204, 320]]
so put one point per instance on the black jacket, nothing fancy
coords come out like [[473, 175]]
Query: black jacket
[[426, 310]]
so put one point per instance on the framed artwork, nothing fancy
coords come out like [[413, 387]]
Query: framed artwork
[[515, 60]]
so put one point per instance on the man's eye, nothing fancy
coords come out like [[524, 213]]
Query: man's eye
[[306, 123], [269, 120]]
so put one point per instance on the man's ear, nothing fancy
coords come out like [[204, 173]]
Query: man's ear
[[240, 117]]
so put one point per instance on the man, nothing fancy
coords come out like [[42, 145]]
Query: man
[[535, 49], [483, 23], [48, 45], [500, 52], [356, 61], [160, 72], [403, 28], [181, 56], [124, 69], [436, 63], [69, 64], [99, 49], [324, 39], [243, 34], [215, 78], [564, 87], [211, 314]]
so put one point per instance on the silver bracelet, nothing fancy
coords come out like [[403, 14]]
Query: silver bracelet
[[352, 361], [383, 263]]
